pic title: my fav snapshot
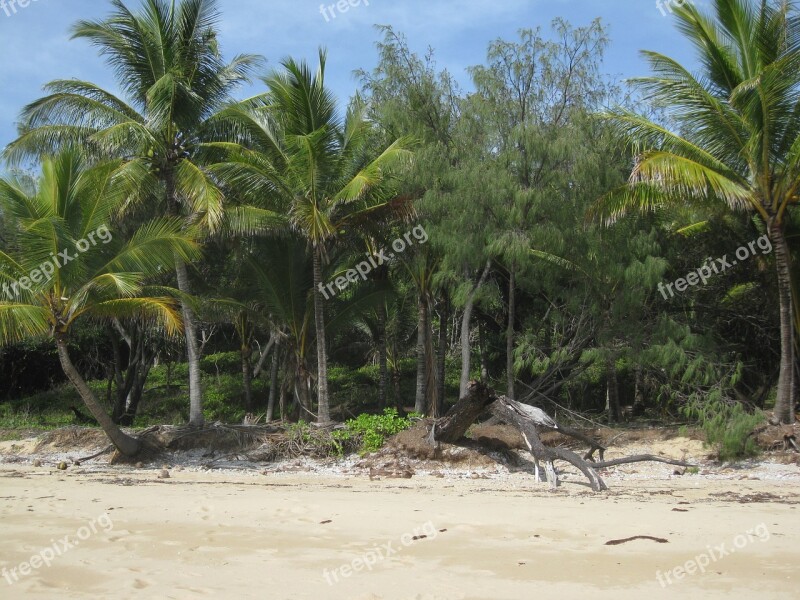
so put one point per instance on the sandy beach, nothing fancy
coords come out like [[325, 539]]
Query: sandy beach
[[225, 534]]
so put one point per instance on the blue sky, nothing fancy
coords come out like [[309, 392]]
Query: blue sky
[[35, 45]]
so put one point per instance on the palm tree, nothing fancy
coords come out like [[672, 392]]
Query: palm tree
[[329, 175], [64, 265], [281, 282], [167, 62], [738, 135]]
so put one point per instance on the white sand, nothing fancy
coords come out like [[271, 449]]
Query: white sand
[[250, 535]]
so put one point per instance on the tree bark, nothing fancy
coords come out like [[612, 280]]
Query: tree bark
[[512, 282], [262, 360], [507, 410], [421, 396], [126, 444], [273, 382], [398, 401], [282, 398], [452, 427], [189, 321], [785, 400], [247, 377], [484, 353], [466, 349], [323, 401], [612, 391], [130, 386], [122, 389], [442, 356], [430, 365], [135, 394], [192, 348], [303, 392], [383, 369], [638, 395]]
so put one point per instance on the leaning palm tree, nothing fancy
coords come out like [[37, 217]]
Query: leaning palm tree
[[65, 265], [328, 175], [167, 62], [738, 134]]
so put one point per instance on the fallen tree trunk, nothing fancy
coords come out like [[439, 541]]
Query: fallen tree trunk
[[594, 445], [527, 419], [512, 412], [452, 427]]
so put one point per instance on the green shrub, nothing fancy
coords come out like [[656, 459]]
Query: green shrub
[[728, 427], [372, 430], [222, 362]]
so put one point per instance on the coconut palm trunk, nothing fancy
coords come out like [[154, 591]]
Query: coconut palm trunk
[[784, 401], [273, 382], [189, 319], [247, 377], [192, 348], [126, 444], [323, 410]]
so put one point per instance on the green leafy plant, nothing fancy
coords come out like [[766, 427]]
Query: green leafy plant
[[728, 426], [373, 429]]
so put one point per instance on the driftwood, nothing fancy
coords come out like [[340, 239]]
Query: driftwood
[[641, 458], [513, 413], [594, 445], [528, 419]]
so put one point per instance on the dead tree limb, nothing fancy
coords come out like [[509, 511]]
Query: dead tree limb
[[527, 420], [641, 458], [514, 413], [77, 461], [594, 445]]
